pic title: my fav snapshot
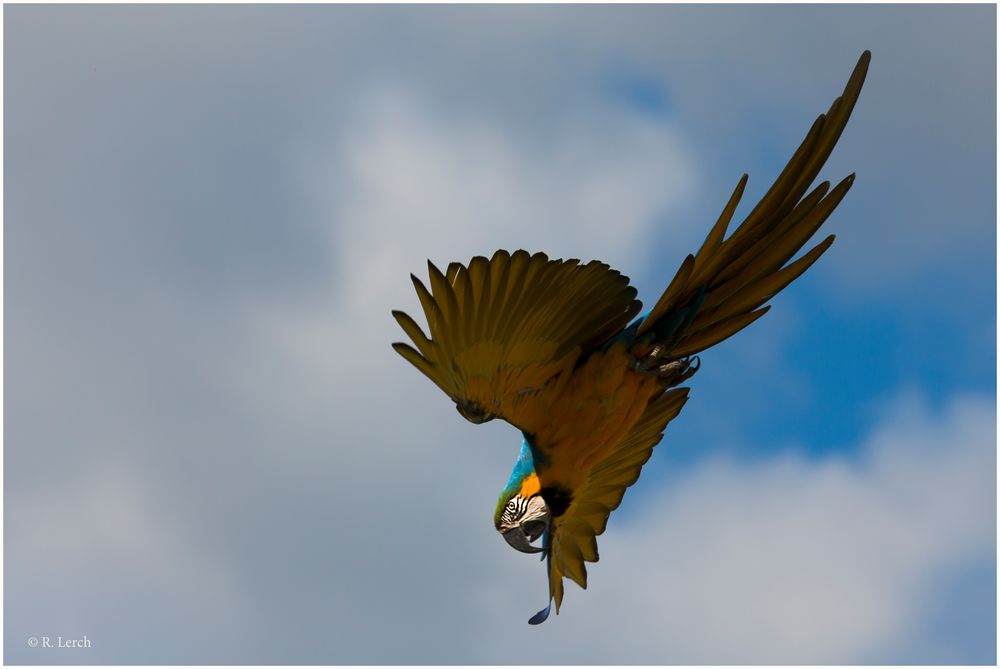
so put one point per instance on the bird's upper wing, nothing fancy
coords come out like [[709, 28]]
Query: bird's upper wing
[[574, 539], [501, 329], [722, 289]]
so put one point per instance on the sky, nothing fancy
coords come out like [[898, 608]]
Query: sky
[[212, 454]]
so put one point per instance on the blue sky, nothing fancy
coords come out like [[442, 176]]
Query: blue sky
[[212, 455]]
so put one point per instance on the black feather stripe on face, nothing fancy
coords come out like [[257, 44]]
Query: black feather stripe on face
[[514, 510]]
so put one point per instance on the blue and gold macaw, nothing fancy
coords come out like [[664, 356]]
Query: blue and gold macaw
[[547, 346]]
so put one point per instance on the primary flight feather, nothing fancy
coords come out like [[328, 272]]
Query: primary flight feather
[[550, 346]]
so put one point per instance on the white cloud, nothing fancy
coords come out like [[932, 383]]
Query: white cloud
[[402, 184], [418, 184]]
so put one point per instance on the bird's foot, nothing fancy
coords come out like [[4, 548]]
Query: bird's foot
[[672, 373]]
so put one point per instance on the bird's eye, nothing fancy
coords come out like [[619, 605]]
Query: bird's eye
[[511, 505]]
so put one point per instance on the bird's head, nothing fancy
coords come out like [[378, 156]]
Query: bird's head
[[522, 516], [522, 520]]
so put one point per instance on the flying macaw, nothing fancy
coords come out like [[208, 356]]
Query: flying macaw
[[546, 345]]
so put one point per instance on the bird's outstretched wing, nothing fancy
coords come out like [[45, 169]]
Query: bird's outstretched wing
[[574, 538], [722, 288], [501, 329]]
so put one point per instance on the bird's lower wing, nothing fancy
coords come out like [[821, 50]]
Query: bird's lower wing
[[503, 328], [574, 539]]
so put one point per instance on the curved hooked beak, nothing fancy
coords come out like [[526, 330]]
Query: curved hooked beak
[[521, 540], [529, 528]]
